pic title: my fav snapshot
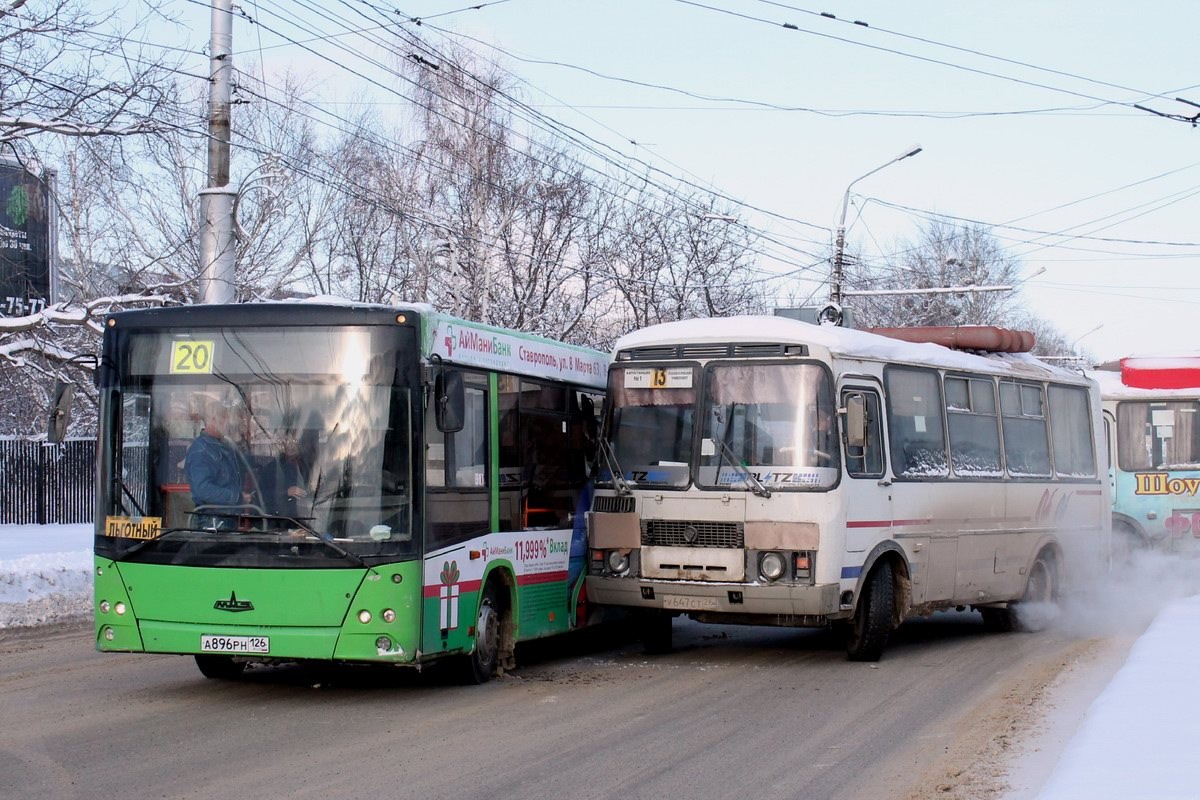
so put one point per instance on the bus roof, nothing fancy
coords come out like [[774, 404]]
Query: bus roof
[[1113, 388], [454, 340], [842, 343]]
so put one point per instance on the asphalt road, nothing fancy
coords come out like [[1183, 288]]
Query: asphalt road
[[735, 711]]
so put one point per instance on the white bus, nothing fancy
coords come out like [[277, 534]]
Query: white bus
[[763, 470]]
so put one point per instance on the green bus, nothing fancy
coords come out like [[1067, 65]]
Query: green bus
[[436, 472]]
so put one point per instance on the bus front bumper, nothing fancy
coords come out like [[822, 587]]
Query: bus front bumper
[[694, 597]]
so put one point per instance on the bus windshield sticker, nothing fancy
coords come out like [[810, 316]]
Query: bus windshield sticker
[[191, 358], [659, 378], [127, 528]]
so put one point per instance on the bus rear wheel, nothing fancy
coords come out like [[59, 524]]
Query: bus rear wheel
[[868, 631], [480, 666], [220, 668], [1033, 611]]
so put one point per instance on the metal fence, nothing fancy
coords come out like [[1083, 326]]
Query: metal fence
[[44, 483]]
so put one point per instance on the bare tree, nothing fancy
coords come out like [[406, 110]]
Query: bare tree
[[677, 257], [73, 71], [943, 256]]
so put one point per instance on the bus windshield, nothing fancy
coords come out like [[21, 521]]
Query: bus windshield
[[773, 421], [769, 425], [650, 425], [259, 447]]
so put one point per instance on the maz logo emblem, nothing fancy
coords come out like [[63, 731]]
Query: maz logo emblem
[[233, 604]]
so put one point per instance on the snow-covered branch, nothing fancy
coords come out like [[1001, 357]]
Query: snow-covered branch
[[19, 127]]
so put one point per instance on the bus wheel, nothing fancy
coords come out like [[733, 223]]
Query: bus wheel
[[1036, 608], [868, 630], [1033, 611], [654, 629], [220, 668], [480, 666], [1127, 545]]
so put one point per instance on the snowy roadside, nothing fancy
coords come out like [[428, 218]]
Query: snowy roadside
[[45, 574]]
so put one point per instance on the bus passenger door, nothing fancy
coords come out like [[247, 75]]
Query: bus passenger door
[[868, 484]]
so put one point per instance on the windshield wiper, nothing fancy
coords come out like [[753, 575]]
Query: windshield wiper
[[622, 485], [136, 546], [749, 477], [327, 540]]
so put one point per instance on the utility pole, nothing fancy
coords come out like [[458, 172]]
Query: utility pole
[[835, 280], [218, 246]]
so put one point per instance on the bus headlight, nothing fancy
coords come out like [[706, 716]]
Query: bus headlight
[[771, 566], [109, 634], [119, 608], [618, 562]]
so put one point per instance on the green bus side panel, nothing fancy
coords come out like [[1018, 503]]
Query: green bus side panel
[[306, 613], [449, 620], [544, 610]]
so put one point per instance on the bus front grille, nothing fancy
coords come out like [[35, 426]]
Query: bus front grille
[[609, 504], [692, 533]]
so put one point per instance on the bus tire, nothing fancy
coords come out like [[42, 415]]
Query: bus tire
[[655, 632], [1127, 545], [220, 668], [1041, 587], [480, 665], [867, 634]]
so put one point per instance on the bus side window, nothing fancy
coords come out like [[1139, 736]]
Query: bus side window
[[914, 403], [865, 461]]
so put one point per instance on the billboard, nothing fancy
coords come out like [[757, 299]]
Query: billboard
[[28, 246]]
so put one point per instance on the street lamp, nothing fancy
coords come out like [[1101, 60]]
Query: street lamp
[[1075, 341], [835, 289]]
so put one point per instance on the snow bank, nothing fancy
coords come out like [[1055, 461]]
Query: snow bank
[[1138, 737], [45, 574]]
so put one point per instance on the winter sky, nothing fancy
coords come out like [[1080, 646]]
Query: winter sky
[[1024, 110]]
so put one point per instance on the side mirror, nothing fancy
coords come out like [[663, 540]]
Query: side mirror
[[60, 411], [856, 421], [449, 401]]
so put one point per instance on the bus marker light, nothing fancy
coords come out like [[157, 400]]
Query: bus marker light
[[120, 608], [109, 634], [104, 607], [364, 616], [802, 561], [397, 578], [388, 615]]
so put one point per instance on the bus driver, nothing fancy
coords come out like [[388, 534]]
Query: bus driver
[[214, 468]]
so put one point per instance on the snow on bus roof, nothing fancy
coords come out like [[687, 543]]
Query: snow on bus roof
[[844, 342]]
